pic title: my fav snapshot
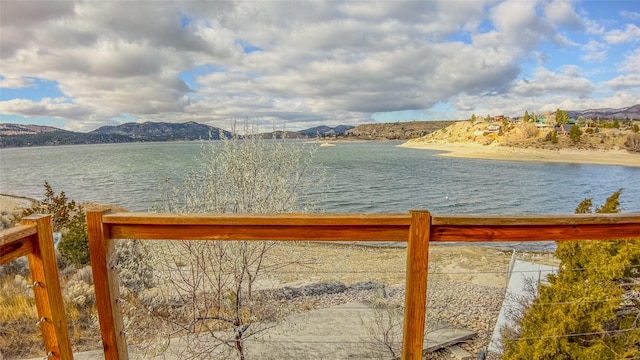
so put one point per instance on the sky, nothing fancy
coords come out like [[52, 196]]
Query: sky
[[80, 65]]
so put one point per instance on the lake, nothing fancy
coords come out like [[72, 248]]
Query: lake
[[362, 177]]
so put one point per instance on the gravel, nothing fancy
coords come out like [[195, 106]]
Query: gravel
[[451, 304]]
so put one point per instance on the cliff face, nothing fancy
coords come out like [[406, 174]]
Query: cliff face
[[395, 131]]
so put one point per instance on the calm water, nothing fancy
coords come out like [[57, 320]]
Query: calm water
[[362, 177]]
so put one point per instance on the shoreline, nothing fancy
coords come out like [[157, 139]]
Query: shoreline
[[508, 153]]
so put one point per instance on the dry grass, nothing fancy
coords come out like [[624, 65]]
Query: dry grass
[[19, 334]]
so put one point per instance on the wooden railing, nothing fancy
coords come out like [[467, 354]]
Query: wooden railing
[[418, 229], [34, 238]]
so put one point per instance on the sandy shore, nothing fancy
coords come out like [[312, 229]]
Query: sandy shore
[[507, 153]]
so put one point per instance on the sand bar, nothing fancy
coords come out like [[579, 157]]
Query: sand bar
[[508, 153]]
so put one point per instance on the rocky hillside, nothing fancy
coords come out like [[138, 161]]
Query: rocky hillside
[[395, 131], [162, 131], [594, 135]]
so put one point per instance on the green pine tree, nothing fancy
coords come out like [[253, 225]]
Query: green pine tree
[[581, 313], [575, 134]]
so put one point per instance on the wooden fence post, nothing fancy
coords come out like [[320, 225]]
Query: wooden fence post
[[415, 299], [46, 289], [105, 281]]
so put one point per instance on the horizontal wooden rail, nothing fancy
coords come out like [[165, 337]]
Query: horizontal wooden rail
[[16, 242], [35, 240], [370, 227], [331, 227], [487, 228], [418, 228]]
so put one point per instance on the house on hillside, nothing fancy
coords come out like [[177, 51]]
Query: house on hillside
[[541, 123], [493, 128], [498, 118], [564, 129]]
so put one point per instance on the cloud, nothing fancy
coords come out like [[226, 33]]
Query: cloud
[[624, 82], [561, 12], [15, 82], [594, 52], [631, 33], [631, 62], [58, 107], [631, 15], [318, 62], [569, 83]]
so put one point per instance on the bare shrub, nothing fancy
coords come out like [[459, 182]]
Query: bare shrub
[[529, 130], [632, 143], [208, 292]]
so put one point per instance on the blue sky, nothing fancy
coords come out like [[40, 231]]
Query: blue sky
[[82, 65]]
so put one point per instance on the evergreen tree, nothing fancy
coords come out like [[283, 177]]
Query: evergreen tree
[[575, 134], [562, 117], [473, 118], [526, 117], [581, 313]]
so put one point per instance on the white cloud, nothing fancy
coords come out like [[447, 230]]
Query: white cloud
[[594, 52], [561, 12], [15, 82], [569, 83], [318, 62], [631, 62], [631, 33], [58, 107], [624, 82], [631, 15]]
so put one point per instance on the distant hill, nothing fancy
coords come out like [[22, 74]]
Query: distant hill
[[325, 130], [55, 137], [16, 135], [18, 129], [631, 112], [282, 134], [162, 131], [395, 131]]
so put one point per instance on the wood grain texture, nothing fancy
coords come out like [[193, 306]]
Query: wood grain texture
[[105, 280], [48, 295], [15, 249], [415, 300], [259, 219], [534, 232], [16, 233], [249, 231]]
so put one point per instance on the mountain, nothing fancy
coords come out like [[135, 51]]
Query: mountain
[[162, 131], [16, 135], [325, 130], [631, 112]]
